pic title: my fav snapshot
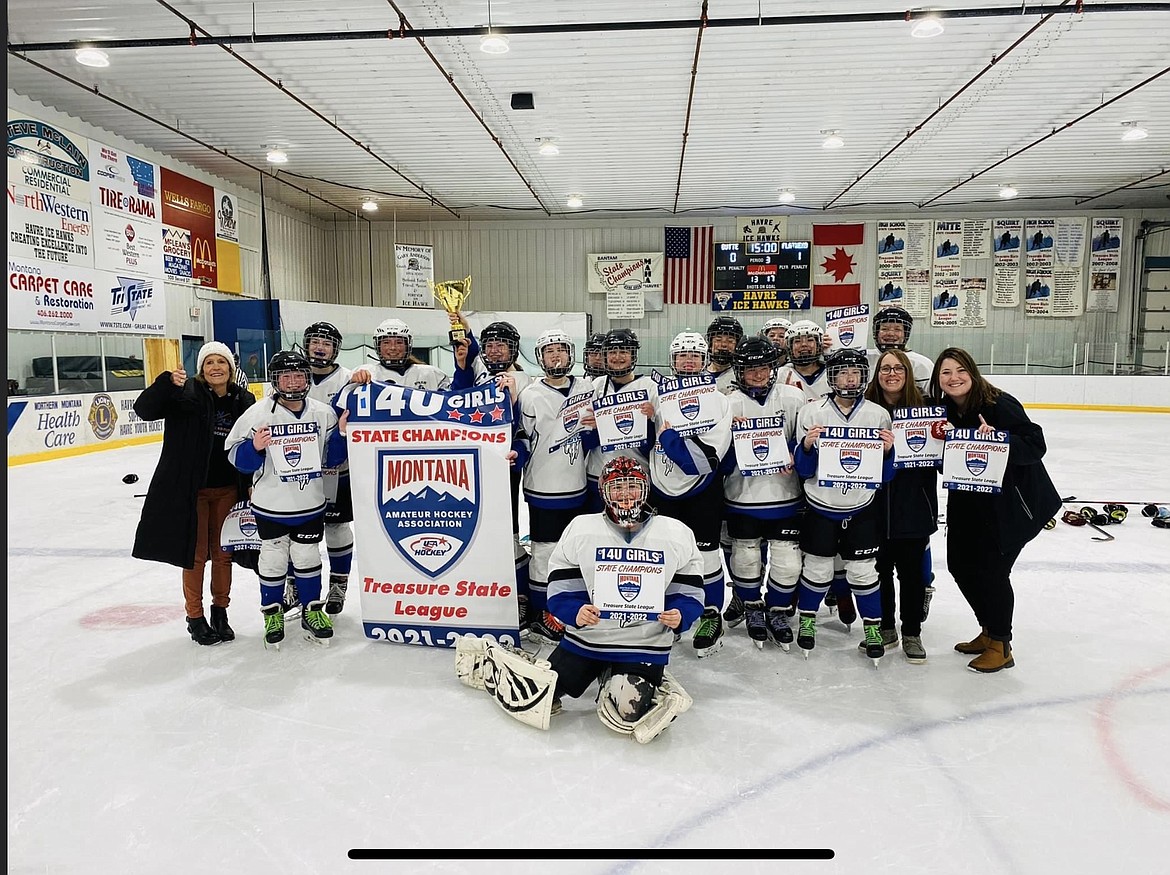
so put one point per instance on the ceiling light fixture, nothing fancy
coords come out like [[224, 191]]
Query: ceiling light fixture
[[832, 140], [548, 146], [91, 57], [787, 196], [575, 202], [1133, 132], [277, 156], [1007, 192], [370, 206], [492, 43], [928, 25]]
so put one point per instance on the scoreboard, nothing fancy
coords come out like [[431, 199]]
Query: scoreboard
[[763, 265]]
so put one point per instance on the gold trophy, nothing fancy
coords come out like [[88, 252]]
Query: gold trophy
[[451, 294]]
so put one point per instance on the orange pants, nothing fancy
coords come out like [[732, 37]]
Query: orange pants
[[213, 506]]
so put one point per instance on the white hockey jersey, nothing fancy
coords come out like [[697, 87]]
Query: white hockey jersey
[[603, 386], [417, 376], [839, 500], [813, 388], [483, 375], [549, 432], [325, 389], [289, 483], [724, 379], [771, 496], [573, 570]]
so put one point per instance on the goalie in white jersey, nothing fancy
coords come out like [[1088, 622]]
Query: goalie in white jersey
[[842, 520], [393, 345], [685, 476], [286, 444]]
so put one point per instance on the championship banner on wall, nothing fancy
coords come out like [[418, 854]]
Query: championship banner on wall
[[190, 205], [415, 270], [918, 436], [848, 455], [1104, 265], [45, 297], [1006, 235], [629, 271], [430, 494]]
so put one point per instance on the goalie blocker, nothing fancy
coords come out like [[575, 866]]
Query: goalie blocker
[[524, 686]]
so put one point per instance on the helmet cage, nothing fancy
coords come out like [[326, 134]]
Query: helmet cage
[[499, 332], [289, 363], [322, 331], [844, 359], [625, 474]]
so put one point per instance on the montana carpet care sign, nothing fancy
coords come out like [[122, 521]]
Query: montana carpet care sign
[[430, 482]]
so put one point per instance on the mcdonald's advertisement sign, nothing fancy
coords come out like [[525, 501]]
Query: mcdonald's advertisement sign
[[190, 205]]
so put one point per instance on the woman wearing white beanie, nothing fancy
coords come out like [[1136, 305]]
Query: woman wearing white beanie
[[194, 485]]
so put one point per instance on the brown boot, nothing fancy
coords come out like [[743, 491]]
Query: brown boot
[[976, 645], [998, 655]]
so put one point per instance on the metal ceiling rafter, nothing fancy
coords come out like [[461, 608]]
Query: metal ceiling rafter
[[1048, 136], [587, 27], [995, 59], [690, 103], [1134, 184], [404, 28], [94, 90], [278, 84]]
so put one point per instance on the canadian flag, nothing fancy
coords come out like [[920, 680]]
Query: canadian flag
[[836, 260]]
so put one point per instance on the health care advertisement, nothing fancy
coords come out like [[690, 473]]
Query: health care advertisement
[[430, 476], [65, 425]]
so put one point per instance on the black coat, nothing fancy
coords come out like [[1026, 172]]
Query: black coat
[[908, 504], [167, 530], [1028, 499]]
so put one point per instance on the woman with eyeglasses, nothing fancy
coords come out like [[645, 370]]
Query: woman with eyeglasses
[[908, 513], [986, 532]]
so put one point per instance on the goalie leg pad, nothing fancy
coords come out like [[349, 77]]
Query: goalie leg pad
[[522, 685]]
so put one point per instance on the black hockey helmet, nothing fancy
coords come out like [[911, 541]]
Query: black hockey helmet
[[594, 346], [621, 339], [499, 332], [627, 510], [323, 331], [723, 326], [892, 316], [289, 362], [754, 352], [843, 359]]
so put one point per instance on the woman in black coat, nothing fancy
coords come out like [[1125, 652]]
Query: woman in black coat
[[194, 485], [986, 532], [908, 508]]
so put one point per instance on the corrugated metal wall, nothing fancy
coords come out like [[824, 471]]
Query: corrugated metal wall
[[542, 266]]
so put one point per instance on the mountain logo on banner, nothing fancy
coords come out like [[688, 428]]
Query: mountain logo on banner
[[689, 407], [850, 460], [624, 421], [916, 439], [629, 585], [976, 462], [569, 419], [292, 454], [429, 504], [760, 448], [846, 336]]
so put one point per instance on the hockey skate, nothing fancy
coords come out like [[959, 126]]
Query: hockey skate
[[806, 638], [778, 627], [757, 625], [874, 648], [291, 603], [846, 611], [547, 630], [273, 625], [831, 602], [317, 625], [889, 640], [708, 633], [733, 616], [335, 600]]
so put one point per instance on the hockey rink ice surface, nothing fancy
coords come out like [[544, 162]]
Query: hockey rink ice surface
[[132, 749]]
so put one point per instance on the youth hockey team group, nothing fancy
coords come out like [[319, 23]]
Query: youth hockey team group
[[787, 543]]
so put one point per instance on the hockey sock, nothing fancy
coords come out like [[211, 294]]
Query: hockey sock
[[341, 559], [778, 598], [271, 591], [713, 593], [308, 584], [522, 582], [869, 605], [811, 595], [928, 567], [747, 590]]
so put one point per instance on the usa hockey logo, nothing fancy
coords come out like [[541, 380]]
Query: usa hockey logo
[[629, 586], [850, 460], [624, 421], [689, 407], [760, 448], [429, 504], [846, 336], [916, 439], [976, 462], [292, 454]]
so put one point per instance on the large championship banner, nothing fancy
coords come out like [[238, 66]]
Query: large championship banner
[[432, 527]]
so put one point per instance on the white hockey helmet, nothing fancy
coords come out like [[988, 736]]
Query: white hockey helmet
[[804, 328], [688, 341], [553, 337], [393, 328]]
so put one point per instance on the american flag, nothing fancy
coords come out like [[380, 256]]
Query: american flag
[[688, 265]]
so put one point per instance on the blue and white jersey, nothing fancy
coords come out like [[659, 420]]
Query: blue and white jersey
[[325, 389], [287, 482], [573, 569], [813, 387], [682, 466], [551, 444], [772, 496], [417, 376], [603, 387], [837, 501]]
